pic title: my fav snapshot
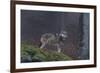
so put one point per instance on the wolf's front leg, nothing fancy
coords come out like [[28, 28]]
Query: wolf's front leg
[[58, 48], [43, 45]]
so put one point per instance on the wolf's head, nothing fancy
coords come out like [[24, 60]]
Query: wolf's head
[[63, 35]]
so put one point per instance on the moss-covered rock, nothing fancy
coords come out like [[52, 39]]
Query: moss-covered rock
[[29, 53]]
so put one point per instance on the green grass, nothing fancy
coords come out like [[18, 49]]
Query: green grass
[[30, 53]]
